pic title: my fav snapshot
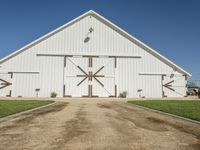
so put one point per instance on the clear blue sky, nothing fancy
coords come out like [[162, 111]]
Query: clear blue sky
[[172, 27]]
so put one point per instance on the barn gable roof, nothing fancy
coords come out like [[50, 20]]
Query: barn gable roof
[[110, 24]]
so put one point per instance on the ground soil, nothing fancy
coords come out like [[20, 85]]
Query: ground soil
[[97, 125]]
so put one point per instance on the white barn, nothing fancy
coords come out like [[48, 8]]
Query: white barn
[[92, 57]]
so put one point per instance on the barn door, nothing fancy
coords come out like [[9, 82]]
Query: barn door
[[5, 84], [103, 82], [89, 77], [174, 86], [75, 80]]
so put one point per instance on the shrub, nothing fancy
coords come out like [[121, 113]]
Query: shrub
[[199, 93], [123, 94], [53, 94]]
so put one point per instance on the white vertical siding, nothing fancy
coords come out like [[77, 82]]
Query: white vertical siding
[[71, 40], [25, 84], [151, 86], [128, 78], [51, 75]]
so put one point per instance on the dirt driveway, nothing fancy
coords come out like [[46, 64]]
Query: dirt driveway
[[97, 125]]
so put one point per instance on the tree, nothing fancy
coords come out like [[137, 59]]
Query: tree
[[199, 93], [191, 84]]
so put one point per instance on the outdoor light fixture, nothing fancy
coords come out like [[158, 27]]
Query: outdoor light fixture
[[91, 30], [140, 92], [172, 74], [87, 36], [86, 39]]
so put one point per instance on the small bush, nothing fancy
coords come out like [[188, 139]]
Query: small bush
[[53, 94], [123, 94]]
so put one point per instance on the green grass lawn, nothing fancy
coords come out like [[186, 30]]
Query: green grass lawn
[[184, 108], [8, 107]]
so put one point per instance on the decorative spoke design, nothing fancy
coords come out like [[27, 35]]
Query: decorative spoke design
[[82, 70], [82, 81], [98, 81], [90, 75], [4, 84], [169, 85], [99, 70]]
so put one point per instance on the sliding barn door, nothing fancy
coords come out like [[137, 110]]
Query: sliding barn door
[[75, 76], [5, 84], [103, 81], [89, 77], [174, 86]]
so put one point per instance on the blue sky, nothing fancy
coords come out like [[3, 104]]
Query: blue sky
[[172, 27]]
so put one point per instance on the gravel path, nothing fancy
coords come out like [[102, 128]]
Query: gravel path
[[97, 125]]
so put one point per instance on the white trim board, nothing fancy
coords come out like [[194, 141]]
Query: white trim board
[[5, 72], [101, 55], [155, 73]]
